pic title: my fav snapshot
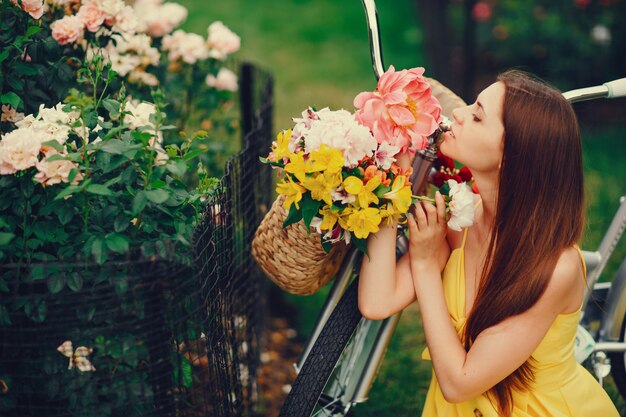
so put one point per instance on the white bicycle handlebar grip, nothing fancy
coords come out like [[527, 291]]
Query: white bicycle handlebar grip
[[617, 88]]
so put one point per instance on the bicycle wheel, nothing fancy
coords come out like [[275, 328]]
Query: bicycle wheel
[[322, 385]]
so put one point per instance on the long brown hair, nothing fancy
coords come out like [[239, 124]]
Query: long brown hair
[[539, 212]]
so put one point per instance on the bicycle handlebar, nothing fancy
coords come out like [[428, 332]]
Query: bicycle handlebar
[[611, 89], [374, 34], [617, 88]]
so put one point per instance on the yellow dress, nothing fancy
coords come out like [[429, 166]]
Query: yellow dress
[[562, 387]]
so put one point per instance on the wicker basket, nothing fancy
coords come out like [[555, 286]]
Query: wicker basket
[[291, 257], [295, 259]]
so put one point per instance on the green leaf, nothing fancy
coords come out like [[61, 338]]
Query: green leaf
[[114, 146], [37, 273], [121, 223], [32, 30], [117, 243], [310, 208], [75, 282], [99, 251], [3, 286], [23, 68], [112, 106], [445, 189], [56, 282], [5, 318], [326, 245], [381, 190], [99, 189], [68, 191], [54, 144], [361, 244], [11, 99], [4, 55], [178, 168], [187, 373], [294, 216], [5, 238], [157, 196], [139, 202]]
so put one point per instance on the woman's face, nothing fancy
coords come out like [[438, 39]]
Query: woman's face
[[476, 137]]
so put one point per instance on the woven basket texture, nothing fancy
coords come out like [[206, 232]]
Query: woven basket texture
[[293, 258]]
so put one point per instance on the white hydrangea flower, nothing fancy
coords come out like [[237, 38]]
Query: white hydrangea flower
[[462, 205], [339, 130]]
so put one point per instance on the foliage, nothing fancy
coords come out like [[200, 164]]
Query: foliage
[[99, 176], [571, 42]]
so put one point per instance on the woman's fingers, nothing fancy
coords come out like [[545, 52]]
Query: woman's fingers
[[420, 216], [431, 213], [441, 208]]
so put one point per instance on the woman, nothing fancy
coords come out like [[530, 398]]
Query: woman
[[500, 301]]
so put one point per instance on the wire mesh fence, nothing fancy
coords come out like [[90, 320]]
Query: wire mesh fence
[[149, 337]]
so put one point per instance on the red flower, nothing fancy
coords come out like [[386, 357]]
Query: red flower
[[440, 178], [465, 174], [444, 161]]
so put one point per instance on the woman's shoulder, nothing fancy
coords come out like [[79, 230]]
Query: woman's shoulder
[[567, 283]]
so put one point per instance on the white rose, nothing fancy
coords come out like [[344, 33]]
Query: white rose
[[189, 47], [139, 114], [19, 150], [55, 172], [222, 40], [225, 80], [462, 205]]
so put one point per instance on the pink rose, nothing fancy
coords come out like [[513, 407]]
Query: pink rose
[[226, 80], [33, 7], [222, 40], [67, 29], [401, 111], [91, 16]]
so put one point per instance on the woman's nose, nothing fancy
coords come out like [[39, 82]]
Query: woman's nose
[[456, 115]]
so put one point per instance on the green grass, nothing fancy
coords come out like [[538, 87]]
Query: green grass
[[317, 50], [319, 54]]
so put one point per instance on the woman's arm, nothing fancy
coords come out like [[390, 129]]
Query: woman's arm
[[497, 351]]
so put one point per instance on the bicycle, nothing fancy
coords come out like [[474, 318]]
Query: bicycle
[[340, 360]]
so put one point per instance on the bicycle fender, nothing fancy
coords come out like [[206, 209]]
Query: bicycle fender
[[615, 307]]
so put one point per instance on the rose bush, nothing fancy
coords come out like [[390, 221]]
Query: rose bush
[[99, 150]]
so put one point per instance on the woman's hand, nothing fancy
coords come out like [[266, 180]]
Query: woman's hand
[[427, 232]]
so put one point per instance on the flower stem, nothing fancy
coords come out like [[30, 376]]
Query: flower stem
[[422, 198]]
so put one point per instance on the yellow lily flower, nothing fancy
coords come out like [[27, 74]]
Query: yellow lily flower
[[329, 218], [364, 192], [327, 159], [297, 166], [281, 150], [292, 192], [321, 185], [390, 215], [400, 194], [364, 221]]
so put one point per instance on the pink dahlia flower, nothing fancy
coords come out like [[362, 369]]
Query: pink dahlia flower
[[401, 111]]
